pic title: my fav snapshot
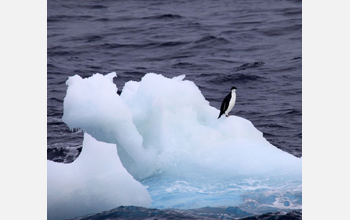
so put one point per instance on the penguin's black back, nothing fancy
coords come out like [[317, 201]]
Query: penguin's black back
[[225, 104]]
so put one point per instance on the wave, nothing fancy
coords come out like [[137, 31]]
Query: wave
[[250, 65], [95, 6], [235, 78], [283, 30], [172, 43], [211, 39], [67, 18], [164, 17]]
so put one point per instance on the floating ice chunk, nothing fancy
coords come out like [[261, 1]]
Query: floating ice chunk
[[166, 125], [166, 132], [96, 181]]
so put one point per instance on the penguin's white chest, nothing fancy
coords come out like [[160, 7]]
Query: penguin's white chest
[[232, 102]]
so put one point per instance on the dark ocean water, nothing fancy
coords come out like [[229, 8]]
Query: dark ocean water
[[206, 213], [253, 45]]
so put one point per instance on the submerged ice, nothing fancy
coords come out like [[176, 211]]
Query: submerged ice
[[169, 138]]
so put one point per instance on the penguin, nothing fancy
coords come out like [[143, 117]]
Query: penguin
[[228, 102]]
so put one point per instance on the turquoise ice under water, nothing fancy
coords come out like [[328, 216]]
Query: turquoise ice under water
[[254, 195], [169, 139]]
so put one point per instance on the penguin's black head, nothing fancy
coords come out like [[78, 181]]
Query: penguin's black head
[[233, 88]]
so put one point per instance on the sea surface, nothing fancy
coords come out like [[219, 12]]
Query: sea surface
[[253, 45]]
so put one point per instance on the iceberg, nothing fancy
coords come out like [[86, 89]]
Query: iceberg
[[168, 137]]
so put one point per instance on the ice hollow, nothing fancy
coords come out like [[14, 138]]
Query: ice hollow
[[164, 126]]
